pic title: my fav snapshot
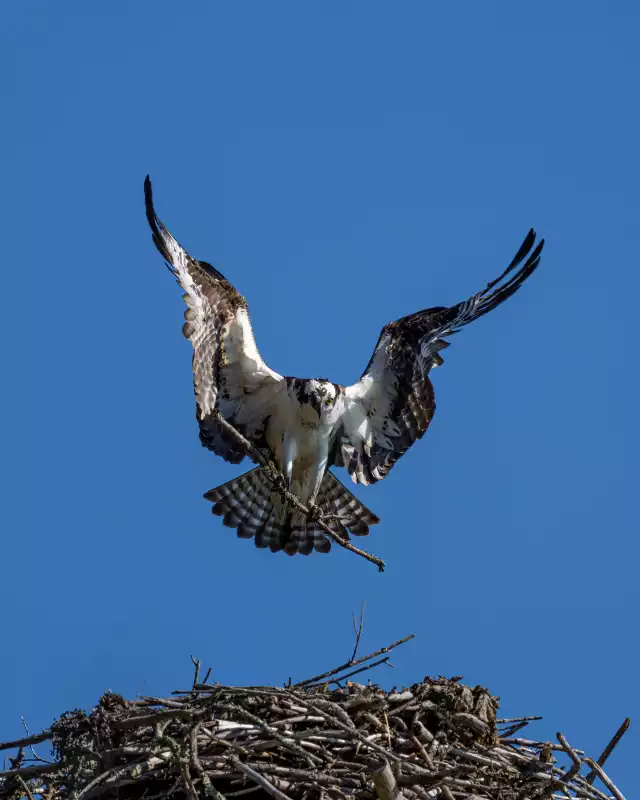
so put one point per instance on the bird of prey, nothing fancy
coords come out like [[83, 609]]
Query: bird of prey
[[305, 426]]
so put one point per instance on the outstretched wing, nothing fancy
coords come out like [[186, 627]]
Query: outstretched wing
[[393, 403], [228, 372]]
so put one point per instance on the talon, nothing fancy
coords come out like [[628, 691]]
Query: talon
[[315, 512], [275, 476]]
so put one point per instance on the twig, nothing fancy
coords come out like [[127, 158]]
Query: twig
[[358, 631], [288, 745], [242, 792], [127, 774], [153, 719], [384, 660], [30, 772], [356, 734], [513, 729], [259, 779], [433, 779], [605, 779], [25, 787], [385, 783], [187, 780], [159, 701], [348, 664], [196, 677], [420, 747], [256, 456], [35, 739], [609, 749], [35, 755], [321, 779], [574, 769], [538, 745]]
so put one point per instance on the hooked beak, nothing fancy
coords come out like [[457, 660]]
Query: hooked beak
[[316, 405]]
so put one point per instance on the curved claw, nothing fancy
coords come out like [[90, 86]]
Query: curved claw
[[275, 476], [315, 512]]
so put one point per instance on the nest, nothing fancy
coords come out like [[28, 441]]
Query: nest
[[324, 738]]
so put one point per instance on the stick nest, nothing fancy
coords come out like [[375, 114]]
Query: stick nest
[[436, 739]]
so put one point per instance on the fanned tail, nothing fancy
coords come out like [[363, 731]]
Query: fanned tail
[[335, 498], [250, 504]]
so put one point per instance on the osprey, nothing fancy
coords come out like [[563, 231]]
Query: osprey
[[305, 426]]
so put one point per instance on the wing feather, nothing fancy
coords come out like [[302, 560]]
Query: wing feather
[[393, 403], [228, 371]]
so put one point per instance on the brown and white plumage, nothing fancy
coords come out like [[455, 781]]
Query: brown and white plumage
[[306, 426], [269, 410], [393, 403], [228, 371]]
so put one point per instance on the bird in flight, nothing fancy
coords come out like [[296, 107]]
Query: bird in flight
[[304, 426]]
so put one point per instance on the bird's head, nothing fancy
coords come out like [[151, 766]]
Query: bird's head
[[321, 396]]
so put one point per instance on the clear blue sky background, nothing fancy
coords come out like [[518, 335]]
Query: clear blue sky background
[[344, 164]]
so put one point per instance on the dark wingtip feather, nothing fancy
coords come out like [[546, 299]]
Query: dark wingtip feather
[[158, 231], [154, 223], [148, 203], [492, 299], [526, 245], [523, 251]]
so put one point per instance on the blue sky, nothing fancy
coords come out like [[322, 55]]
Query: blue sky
[[344, 164]]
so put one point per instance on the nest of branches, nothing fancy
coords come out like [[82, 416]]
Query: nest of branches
[[325, 737]]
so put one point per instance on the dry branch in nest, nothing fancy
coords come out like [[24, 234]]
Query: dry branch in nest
[[325, 738]]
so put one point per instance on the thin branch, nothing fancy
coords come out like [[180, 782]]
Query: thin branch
[[513, 729], [25, 787], [187, 780], [609, 748], [358, 632], [153, 719], [259, 779], [384, 660], [242, 792], [342, 667], [367, 741], [605, 779], [574, 769], [33, 752], [28, 740], [537, 744], [269, 731], [255, 455], [385, 783], [196, 677], [420, 747], [30, 772]]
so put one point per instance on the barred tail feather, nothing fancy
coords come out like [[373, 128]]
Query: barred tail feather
[[251, 505], [335, 498], [248, 503]]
